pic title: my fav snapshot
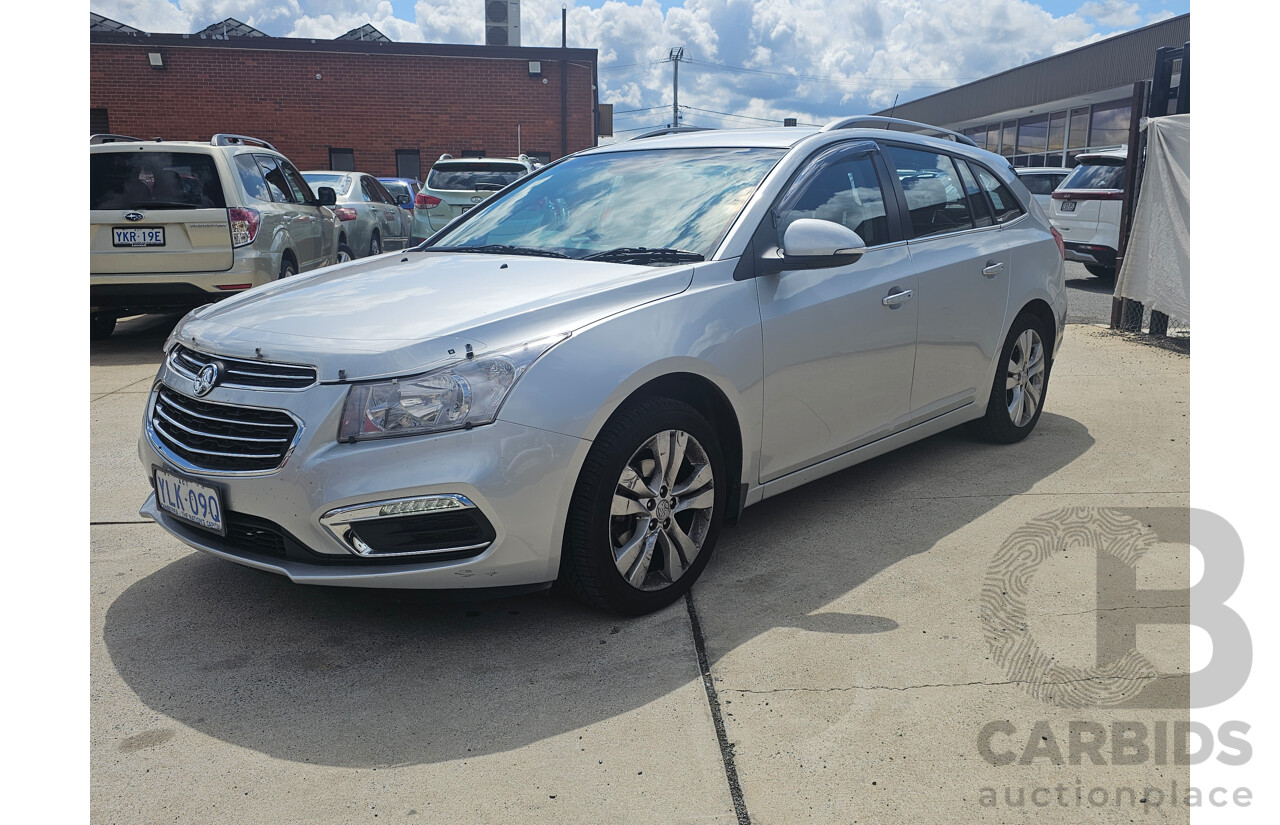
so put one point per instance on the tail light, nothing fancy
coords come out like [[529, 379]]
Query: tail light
[[1057, 238], [344, 213], [424, 201], [244, 225]]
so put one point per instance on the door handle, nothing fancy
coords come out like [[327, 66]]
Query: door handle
[[896, 299], [993, 268]]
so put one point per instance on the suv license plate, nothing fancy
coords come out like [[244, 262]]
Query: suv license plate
[[137, 236], [1068, 206], [190, 500]]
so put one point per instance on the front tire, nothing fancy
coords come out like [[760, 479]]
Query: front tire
[[1100, 271], [345, 254], [1018, 391], [101, 325], [647, 509]]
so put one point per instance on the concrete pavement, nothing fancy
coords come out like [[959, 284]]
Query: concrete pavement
[[842, 623]]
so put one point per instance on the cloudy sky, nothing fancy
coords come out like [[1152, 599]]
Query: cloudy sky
[[748, 61]]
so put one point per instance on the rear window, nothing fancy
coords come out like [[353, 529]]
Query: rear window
[[154, 180], [395, 187], [1041, 184], [1096, 175], [339, 182], [472, 177]]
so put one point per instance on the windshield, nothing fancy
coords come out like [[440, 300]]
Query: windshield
[[473, 176], [681, 199], [1096, 175]]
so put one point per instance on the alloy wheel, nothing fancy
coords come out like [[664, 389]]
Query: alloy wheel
[[1024, 380]]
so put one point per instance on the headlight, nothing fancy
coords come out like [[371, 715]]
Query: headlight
[[459, 396]]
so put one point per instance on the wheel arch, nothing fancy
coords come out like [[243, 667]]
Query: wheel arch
[[1040, 309], [710, 401]]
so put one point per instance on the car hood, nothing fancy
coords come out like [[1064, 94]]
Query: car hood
[[404, 312]]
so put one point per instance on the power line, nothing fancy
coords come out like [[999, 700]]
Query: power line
[[772, 120]]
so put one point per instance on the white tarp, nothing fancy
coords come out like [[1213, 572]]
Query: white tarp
[[1157, 263]]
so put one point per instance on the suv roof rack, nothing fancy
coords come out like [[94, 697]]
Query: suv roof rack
[[671, 130], [886, 122], [239, 140], [96, 140]]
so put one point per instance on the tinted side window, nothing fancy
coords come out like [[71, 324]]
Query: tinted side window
[[381, 191], [846, 192], [367, 190], [977, 201], [1002, 199], [276, 184], [1041, 184], [935, 200], [301, 191], [251, 177]]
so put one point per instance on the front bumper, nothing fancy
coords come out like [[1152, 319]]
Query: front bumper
[[520, 480]]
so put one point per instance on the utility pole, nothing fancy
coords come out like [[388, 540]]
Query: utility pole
[[675, 56]]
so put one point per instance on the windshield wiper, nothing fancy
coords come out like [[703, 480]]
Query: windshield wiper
[[498, 249], [644, 255]]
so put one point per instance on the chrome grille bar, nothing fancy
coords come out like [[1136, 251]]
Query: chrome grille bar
[[244, 373], [218, 437]]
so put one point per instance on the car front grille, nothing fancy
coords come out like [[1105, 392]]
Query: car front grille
[[221, 437], [238, 372]]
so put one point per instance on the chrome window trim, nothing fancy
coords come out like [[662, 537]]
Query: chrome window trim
[[185, 466]]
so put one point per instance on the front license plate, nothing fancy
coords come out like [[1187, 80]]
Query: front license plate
[[1068, 206], [137, 236], [190, 500]]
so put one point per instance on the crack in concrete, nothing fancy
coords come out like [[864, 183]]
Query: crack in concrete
[[948, 685]]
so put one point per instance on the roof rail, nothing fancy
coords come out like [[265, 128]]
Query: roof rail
[[671, 130], [886, 122], [445, 156], [95, 140], [239, 140]]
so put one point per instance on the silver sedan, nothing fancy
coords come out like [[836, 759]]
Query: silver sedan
[[372, 221]]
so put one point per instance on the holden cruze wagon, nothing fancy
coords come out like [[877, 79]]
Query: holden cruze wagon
[[584, 378]]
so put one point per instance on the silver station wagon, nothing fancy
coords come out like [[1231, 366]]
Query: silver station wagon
[[583, 379]]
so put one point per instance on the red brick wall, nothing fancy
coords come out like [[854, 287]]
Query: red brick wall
[[372, 103]]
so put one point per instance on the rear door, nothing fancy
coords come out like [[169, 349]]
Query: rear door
[[395, 230], [963, 264], [156, 211]]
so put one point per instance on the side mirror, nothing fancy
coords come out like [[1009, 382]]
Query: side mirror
[[327, 196], [404, 200], [809, 243]]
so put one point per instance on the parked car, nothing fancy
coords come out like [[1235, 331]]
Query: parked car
[[1086, 210], [1041, 181], [584, 378], [455, 185], [176, 224], [372, 221], [404, 190]]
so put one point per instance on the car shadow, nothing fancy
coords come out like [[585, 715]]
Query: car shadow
[[136, 340], [362, 678]]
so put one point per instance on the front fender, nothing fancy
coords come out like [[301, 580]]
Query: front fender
[[711, 330]]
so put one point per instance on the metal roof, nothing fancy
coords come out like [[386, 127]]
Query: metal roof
[[365, 32], [1115, 62]]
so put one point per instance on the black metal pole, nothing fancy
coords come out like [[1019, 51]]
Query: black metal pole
[[564, 82]]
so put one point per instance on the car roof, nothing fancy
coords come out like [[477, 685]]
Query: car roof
[[1106, 154]]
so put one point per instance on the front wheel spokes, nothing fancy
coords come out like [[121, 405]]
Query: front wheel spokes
[[635, 550], [639, 571]]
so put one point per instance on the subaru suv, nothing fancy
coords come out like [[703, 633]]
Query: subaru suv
[[1086, 210], [583, 379], [455, 185], [176, 224]]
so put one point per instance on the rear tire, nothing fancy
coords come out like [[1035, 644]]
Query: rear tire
[[1100, 271], [287, 268], [101, 325], [375, 244], [646, 511], [1021, 381]]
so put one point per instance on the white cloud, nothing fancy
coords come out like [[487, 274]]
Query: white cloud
[[810, 59]]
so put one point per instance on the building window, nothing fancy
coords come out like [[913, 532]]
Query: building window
[[1033, 134], [1057, 131], [99, 123], [1110, 124], [408, 164], [342, 160], [1078, 132], [1008, 138]]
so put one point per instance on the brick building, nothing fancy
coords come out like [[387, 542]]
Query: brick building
[[360, 100]]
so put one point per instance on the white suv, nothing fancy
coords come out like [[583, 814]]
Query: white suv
[[177, 224], [455, 185], [1086, 210]]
